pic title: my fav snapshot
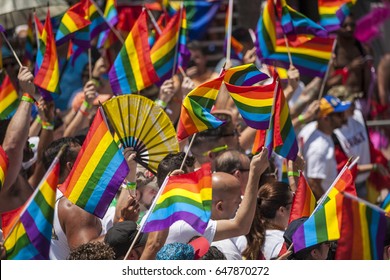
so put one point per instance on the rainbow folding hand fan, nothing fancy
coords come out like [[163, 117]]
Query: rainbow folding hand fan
[[141, 124]]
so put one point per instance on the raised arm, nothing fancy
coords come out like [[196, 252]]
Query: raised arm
[[241, 224]]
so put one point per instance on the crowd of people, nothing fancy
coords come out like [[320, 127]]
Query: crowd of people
[[251, 201]]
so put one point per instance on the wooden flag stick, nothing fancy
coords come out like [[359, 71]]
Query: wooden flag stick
[[327, 70], [288, 50], [11, 48], [188, 150]]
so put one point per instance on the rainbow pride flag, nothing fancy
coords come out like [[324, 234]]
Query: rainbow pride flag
[[259, 141], [322, 226], [386, 204], [30, 236], [73, 20], [48, 75], [133, 70], [195, 115], [184, 54], [362, 233], [98, 24], [40, 46], [111, 15], [3, 166], [333, 12], [304, 201], [311, 57], [98, 172], [244, 75], [29, 45], [281, 136], [163, 52], [9, 99], [253, 102], [186, 197]]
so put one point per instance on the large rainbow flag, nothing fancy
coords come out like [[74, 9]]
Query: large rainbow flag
[[3, 166], [311, 57], [164, 51], [195, 115], [98, 171], [185, 197], [362, 233], [30, 236], [9, 99], [48, 75], [333, 12], [304, 201], [133, 70], [281, 136]]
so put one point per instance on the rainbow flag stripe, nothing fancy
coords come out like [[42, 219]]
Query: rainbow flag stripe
[[73, 20], [40, 46], [281, 136], [386, 204], [244, 75], [9, 99], [133, 70], [184, 54], [311, 57], [48, 75], [186, 197], [195, 115], [320, 227], [98, 172], [3, 166], [30, 237], [362, 232], [304, 201], [29, 45], [163, 51], [333, 12], [111, 15]]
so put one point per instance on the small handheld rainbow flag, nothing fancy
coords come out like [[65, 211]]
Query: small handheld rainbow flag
[[111, 15], [48, 75], [195, 115], [9, 99], [29, 45], [3, 166], [184, 54], [133, 70], [386, 204], [98, 171], [185, 197], [29, 238], [304, 201], [362, 233], [333, 12]]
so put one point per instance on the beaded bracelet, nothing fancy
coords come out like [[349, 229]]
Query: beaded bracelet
[[293, 173]]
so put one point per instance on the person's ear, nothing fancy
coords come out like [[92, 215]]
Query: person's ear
[[219, 206], [315, 254], [69, 166]]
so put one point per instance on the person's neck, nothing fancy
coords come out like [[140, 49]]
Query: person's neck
[[325, 128], [275, 224]]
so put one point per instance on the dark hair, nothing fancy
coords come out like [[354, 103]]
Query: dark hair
[[170, 163], [228, 161], [92, 251], [213, 254], [269, 199], [69, 154]]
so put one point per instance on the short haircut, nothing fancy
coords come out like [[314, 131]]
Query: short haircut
[[170, 163], [92, 251]]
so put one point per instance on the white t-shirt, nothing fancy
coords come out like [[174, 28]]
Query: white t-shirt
[[182, 232], [273, 243], [232, 247], [354, 140], [318, 152]]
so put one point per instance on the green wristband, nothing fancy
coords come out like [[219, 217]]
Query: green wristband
[[293, 173]]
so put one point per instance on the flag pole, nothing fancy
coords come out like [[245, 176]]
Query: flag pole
[[327, 70], [288, 50], [188, 150], [177, 44], [272, 113], [10, 47], [142, 225], [55, 161], [229, 32], [113, 29]]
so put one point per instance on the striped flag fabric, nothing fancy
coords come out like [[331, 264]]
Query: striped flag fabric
[[133, 70], [98, 171], [29, 44], [154, 34], [74, 19], [9, 99], [98, 24], [183, 55], [111, 15], [195, 115], [244, 75], [281, 136], [186, 197], [386, 204], [3, 166], [163, 52], [40, 46], [322, 226], [311, 57], [333, 12], [304, 201], [30, 237], [259, 141], [48, 75], [362, 232]]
